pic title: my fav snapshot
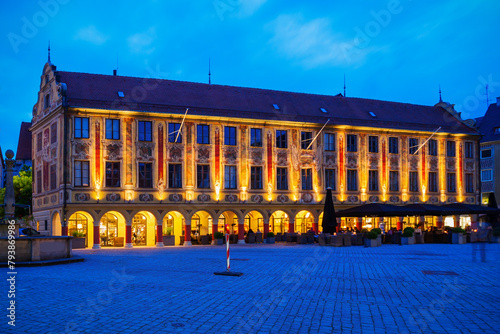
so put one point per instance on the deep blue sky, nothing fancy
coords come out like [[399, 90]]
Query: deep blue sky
[[276, 44]]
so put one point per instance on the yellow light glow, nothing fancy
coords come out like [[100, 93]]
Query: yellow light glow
[[269, 191], [423, 193], [217, 191], [384, 193], [308, 214], [363, 194], [97, 189], [404, 196], [243, 193], [129, 195], [341, 194]]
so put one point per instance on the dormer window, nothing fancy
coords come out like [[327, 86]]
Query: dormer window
[[47, 79], [46, 101]]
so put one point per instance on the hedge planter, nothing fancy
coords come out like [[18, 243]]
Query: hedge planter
[[371, 242], [218, 242], [419, 238], [458, 238], [270, 240], [169, 240], [408, 240], [78, 243], [379, 240]]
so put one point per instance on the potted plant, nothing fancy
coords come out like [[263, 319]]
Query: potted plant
[[408, 238], [219, 238], [169, 237], [270, 238], [379, 235], [371, 239], [78, 239], [457, 235]]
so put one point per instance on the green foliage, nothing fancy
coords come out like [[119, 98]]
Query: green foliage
[[458, 230], [169, 231], [23, 190], [377, 230], [408, 232], [364, 230], [270, 234], [219, 235], [372, 235], [78, 234]]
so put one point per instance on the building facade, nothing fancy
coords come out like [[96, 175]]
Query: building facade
[[127, 160], [490, 151]]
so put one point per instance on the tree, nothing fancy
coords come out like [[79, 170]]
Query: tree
[[23, 190]]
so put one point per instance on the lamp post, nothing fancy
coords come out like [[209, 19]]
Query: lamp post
[[9, 184]]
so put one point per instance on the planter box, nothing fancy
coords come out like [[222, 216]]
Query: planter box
[[419, 238], [457, 238], [337, 240], [379, 240], [371, 242], [218, 242], [270, 240], [78, 243], [347, 239], [408, 240], [169, 240]]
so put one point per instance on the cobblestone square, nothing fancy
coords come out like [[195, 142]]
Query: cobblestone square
[[284, 289]]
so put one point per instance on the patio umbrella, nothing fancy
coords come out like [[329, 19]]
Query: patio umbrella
[[462, 208], [492, 203], [425, 209], [329, 223], [378, 210]]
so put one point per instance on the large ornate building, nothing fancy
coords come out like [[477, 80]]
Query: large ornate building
[[128, 160]]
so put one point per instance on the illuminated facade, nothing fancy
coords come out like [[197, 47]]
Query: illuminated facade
[[140, 167]]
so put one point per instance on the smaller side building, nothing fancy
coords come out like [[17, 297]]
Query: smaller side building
[[23, 153], [489, 127]]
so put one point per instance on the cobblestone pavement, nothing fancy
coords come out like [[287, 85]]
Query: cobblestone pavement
[[284, 289]]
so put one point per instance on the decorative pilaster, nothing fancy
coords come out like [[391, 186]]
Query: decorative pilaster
[[97, 237], [128, 151]]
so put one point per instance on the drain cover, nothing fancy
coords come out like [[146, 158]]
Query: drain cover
[[177, 325], [446, 273]]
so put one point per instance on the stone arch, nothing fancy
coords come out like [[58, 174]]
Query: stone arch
[[264, 214], [112, 235], [83, 222], [55, 223], [144, 225], [201, 221], [254, 220], [173, 226], [279, 221], [304, 221]]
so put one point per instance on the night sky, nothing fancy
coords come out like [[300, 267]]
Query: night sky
[[388, 50]]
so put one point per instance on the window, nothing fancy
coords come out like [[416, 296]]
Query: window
[[112, 174], [414, 181], [256, 137], [281, 178], [393, 181], [81, 127], [497, 130], [412, 145], [112, 129], [450, 148], [307, 183], [174, 175], [469, 183], [281, 139], [486, 153], [39, 181], [145, 131], [352, 143], [230, 135], [145, 175], [373, 180], [432, 182], [46, 101], [82, 178], [469, 150], [451, 179], [329, 142], [203, 176], [230, 177], [393, 145], [256, 177], [173, 133], [352, 180], [305, 140], [203, 134], [486, 175], [53, 133], [330, 181], [433, 147], [39, 142], [46, 79], [53, 177], [373, 144]]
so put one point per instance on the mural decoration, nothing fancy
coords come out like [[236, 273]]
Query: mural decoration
[[307, 197], [433, 164], [145, 151], [145, 197], [231, 198], [394, 199], [81, 149], [161, 161], [189, 155], [373, 161], [330, 159], [470, 200], [282, 198], [352, 199], [204, 198], [203, 155], [113, 197], [230, 155], [97, 135], [113, 150], [450, 164], [394, 162], [373, 199], [413, 162], [82, 197], [270, 155], [175, 198], [217, 157], [175, 153], [257, 198], [352, 161], [469, 166], [281, 157], [434, 200], [128, 150], [256, 155]]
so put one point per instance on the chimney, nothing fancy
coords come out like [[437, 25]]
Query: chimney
[[114, 73], [498, 101]]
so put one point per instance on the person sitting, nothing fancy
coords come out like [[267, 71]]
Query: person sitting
[[250, 231], [390, 232]]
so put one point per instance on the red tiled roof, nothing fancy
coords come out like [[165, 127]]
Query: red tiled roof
[[168, 96], [24, 144]]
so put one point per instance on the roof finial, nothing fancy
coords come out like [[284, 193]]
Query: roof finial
[[344, 84], [209, 74], [49, 52], [440, 99]]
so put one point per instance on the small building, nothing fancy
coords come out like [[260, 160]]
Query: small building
[[125, 160], [489, 127], [23, 153]]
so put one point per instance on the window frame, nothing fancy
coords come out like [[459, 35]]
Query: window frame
[[451, 182], [256, 179], [175, 176], [432, 147], [110, 181], [306, 179], [469, 150], [145, 182], [230, 136], [373, 184], [451, 149], [281, 178], [172, 133], [306, 139], [53, 177], [253, 134], [53, 133], [330, 141], [490, 173], [391, 179], [432, 182], [81, 168], [79, 133], [203, 134], [112, 131], [469, 183], [332, 179], [282, 139], [230, 177], [393, 142], [144, 133], [373, 144], [413, 144], [413, 182], [485, 150], [203, 176], [351, 143], [352, 183]]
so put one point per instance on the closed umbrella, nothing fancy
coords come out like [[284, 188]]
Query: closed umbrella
[[329, 223], [492, 203]]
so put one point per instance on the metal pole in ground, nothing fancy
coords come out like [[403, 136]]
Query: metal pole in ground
[[228, 265]]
